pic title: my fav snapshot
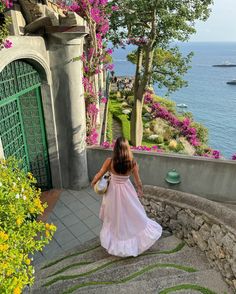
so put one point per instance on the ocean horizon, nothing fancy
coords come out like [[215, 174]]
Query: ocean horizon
[[208, 96]]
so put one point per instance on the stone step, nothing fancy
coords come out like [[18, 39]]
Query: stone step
[[169, 262], [208, 279], [142, 268], [166, 262], [96, 253]]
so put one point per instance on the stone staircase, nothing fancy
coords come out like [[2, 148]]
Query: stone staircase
[[170, 266]]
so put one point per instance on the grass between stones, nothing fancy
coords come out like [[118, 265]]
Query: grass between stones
[[201, 289], [176, 249], [78, 264], [68, 256], [134, 275]]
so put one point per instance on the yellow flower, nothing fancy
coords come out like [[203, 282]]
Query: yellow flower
[[28, 261], [19, 221], [4, 265], [9, 272], [47, 233], [17, 290], [4, 247], [31, 210], [3, 236]]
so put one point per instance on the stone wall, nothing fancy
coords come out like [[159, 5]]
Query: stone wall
[[200, 222]]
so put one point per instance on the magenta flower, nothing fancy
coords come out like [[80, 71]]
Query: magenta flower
[[95, 14], [104, 100], [234, 156], [8, 4], [109, 51], [109, 67], [74, 7], [7, 44], [92, 139], [105, 144], [216, 154], [115, 8]]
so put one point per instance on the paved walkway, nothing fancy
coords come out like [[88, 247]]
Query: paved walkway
[[76, 217]]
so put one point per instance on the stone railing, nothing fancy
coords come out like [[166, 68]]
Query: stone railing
[[200, 222]]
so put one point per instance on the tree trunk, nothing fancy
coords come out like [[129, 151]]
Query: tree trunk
[[136, 130]]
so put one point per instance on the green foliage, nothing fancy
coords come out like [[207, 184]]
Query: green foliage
[[168, 67], [4, 31], [202, 132], [170, 105], [193, 287], [19, 201]]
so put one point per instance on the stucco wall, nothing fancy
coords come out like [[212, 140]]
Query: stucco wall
[[208, 178], [33, 49]]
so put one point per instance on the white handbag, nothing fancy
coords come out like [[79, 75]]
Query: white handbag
[[102, 185]]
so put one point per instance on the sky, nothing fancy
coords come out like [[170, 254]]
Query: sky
[[220, 26]]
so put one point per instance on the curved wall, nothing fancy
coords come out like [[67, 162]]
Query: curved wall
[[200, 222]]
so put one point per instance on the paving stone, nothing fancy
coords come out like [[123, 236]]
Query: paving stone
[[76, 206], [92, 221], [64, 236], [72, 244], [52, 249], [88, 200], [67, 198], [97, 230], [84, 213], [86, 236], [95, 208], [78, 229], [70, 219], [61, 210], [60, 226]]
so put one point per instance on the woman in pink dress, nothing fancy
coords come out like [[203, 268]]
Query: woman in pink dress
[[126, 230]]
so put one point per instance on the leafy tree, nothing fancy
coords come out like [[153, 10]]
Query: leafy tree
[[152, 24], [168, 67]]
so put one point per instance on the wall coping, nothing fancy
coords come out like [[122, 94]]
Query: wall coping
[[171, 155], [213, 210]]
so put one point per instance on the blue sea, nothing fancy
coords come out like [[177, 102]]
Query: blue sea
[[208, 97]]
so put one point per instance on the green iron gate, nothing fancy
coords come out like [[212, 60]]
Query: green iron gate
[[22, 129]]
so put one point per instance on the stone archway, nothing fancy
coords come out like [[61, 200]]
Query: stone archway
[[22, 125]]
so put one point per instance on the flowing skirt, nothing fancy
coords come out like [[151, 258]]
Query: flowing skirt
[[126, 230]]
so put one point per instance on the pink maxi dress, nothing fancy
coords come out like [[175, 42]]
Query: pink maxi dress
[[126, 230]]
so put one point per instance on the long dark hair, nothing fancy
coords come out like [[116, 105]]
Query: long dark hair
[[122, 156]]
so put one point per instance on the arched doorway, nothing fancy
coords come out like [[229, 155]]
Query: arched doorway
[[22, 127]]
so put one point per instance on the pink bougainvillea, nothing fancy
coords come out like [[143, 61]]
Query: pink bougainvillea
[[184, 126], [96, 13], [7, 44], [103, 100]]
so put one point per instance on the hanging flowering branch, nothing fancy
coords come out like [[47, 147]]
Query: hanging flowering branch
[[4, 23], [96, 58]]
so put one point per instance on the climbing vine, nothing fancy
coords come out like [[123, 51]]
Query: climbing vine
[[4, 24], [96, 58]]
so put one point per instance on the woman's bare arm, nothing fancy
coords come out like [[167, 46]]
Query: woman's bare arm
[[137, 180], [103, 170]]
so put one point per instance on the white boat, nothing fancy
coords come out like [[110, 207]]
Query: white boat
[[233, 82], [182, 105]]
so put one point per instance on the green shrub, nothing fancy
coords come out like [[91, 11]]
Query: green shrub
[[202, 132], [169, 104], [20, 233], [130, 100], [159, 139]]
